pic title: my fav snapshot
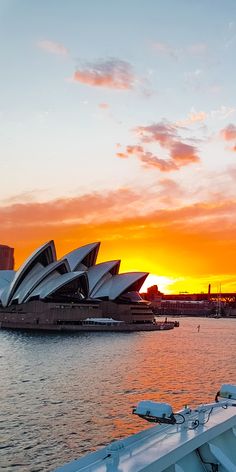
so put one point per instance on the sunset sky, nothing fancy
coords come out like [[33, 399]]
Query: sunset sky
[[118, 124]]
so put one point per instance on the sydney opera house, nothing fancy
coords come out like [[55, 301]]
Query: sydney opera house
[[72, 293]]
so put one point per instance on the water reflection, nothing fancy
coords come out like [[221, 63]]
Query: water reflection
[[64, 395]]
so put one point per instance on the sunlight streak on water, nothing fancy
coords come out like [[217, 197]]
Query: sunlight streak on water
[[64, 395]]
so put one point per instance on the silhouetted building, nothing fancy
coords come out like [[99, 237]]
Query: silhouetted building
[[209, 291], [153, 294], [6, 257]]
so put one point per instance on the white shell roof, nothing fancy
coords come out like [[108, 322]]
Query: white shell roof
[[56, 284], [97, 272], [37, 268], [119, 284], [45, 254], [36, 292], [33, 280], [41, 275], [6, 277], [83, 257]]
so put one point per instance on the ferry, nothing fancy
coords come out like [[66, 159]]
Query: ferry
[[198, 440]]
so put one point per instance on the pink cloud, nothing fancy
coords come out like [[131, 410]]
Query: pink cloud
[[79, 209], [53, 47], [183, 154], [112, 73], [164, 165], [104, 106], [229, 133], [197, 116], [166, 135], [134, 149], [170, 191], [162, 132], [180, 155], [193, 117], [122, 155]]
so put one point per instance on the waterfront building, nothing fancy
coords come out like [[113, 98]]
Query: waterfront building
[[61, 293], [6, 257]]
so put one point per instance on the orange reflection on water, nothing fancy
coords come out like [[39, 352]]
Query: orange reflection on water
[[85, 385]]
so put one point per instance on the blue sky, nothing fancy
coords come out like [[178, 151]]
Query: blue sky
[[104, 96]]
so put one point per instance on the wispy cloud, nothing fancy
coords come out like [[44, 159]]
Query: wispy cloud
[[166, 136], [229, 132], [194, 78], [167, 49], [199, 231], [23, 197], [81, 209], [103, 106], [112, 73], [196, 49], [170, 192], [113, 207], [149, 159], [53, 47], [222, 112], [194, 116]]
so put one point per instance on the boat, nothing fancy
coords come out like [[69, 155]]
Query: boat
[[202, 439]]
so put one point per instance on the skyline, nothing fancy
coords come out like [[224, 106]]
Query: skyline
[[118, 124]]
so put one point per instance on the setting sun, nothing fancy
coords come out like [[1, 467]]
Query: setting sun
[[162, 282]]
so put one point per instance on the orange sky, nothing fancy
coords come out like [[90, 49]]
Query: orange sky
[[189, 246], [128, 139]]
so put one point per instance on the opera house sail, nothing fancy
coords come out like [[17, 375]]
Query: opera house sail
[[72, 293]]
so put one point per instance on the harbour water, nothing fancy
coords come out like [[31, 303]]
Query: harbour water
[[64, 395]]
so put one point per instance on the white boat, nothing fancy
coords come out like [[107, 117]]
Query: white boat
[[198, 440]]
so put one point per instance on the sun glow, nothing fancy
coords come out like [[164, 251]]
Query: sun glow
[[162, 282]]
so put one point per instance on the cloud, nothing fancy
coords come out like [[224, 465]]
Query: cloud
[[148, 158], [192, 118], [196, 49], [197, 116], [134, 149], [222, 112], [122, 155], [81, 209], [24, 197], [183, 154], [194, 79], [229, 132], [166, 135], [200, 116], [165, 49], [170, 192], [113, 73], [156, 240], [162, 132], [164, 165], [103, 106], [53, 47]]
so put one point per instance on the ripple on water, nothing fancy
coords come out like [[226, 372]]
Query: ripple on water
[[62, 396]]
